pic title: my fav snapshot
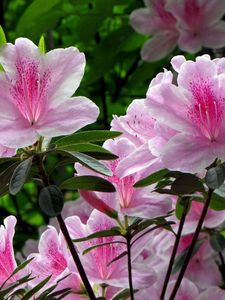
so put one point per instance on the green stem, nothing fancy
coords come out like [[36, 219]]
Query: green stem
[[66, 235], [191, 248], [175, 247], [130, 268]]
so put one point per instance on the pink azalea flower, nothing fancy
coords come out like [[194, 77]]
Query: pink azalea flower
[[97, 261], [36, 93], [141, 128], [7, 152], [127, 199], [155, 20], [212, 220], [214, 293], [195, 109], [54, 259], [187, 291], [7, 259], [199, 23]]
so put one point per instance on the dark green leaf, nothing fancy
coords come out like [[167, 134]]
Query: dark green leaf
[[36, 289], [217, 241], [87, 137], [91, 183], [51, 200], [118, 257], [153, 178], [215, 177], [103, 233], [89, 162], [89, 149], [20, 175], [123, 295], [101, 245], [186, 184]]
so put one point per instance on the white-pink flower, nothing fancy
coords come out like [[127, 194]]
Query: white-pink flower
[[199, 23], [36, 92], [128, 200], [54, 259], [7, 259], [188, 24], [97, 261], [195, 109], [155, 20]]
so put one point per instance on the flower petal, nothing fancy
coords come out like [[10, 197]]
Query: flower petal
[[159, 46], [68, 117]]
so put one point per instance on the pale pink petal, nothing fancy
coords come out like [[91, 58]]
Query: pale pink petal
[[212, 292], [138, 160], [7, 152], [17, 134], [213, 10], [66, 119], [9, 53], [141, 20], [177, 61], [67, 67], [214, 36], [137, 124], [159, 46], [187, 290], [189, 154], [189, 41], [170, 112], [162, 77], [148, 205], [7, 259]]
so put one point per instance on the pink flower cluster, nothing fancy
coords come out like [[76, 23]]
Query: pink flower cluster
[[188, 24]]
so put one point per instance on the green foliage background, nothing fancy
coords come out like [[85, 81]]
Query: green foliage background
[[115, 74]]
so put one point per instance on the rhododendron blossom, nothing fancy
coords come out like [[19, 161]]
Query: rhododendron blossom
[[7, 259], [128, 200], [155, 20], [195, 109], [54, 259], [190, 24], [97, 261], [36, 92], [6, 151]]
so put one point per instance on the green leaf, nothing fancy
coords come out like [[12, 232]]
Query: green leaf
[[118, 257], [101, 245], [89, 162], [20, 176], [91, 183], [218, 199], [102, 233], [87, 137], [217, 242], [153, 178], [51, 200], [36, 289], [41, 45], [179, 260], [2, 37], [6, 175], [39, 17], [215, 177], [89, 149], [123, 295], [186, 184]]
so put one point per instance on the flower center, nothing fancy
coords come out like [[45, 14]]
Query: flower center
[[166, 17], [105, 254], [29, 89], [207, 111], [124, 186]]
